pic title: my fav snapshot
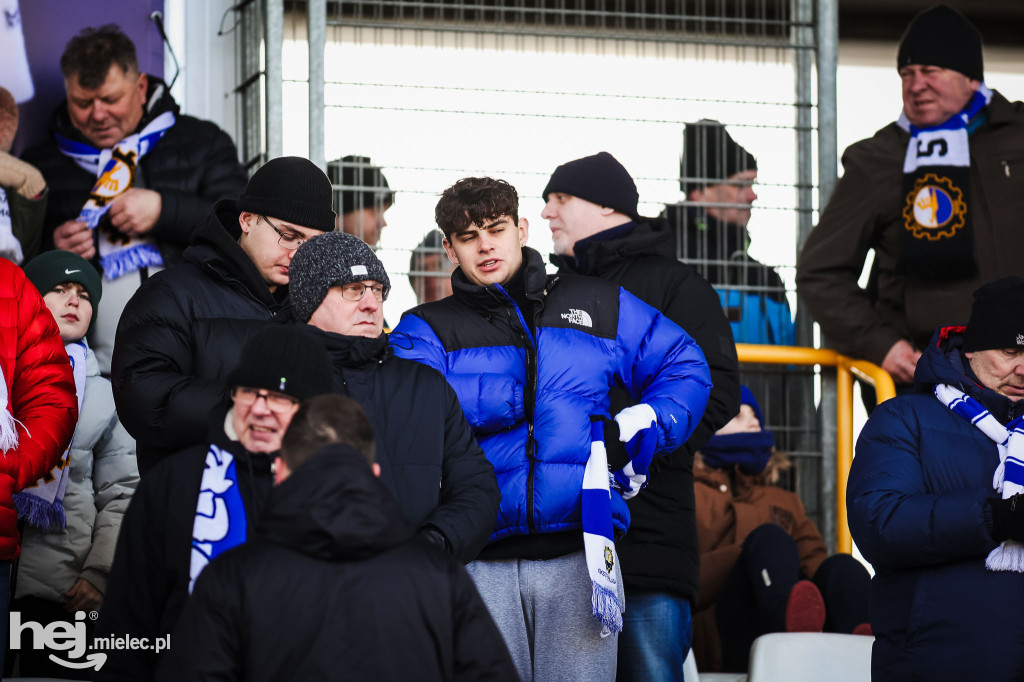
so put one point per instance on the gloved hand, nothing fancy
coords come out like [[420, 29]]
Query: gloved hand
[[432, 534], [1008, 518], [638, 432]]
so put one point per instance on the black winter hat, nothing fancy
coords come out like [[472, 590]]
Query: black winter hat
[[293, 189], [599, 179], [365, 184], [942, 36], [330, 260], [49, 269], [286, 359], [997, 316], [710, 155]]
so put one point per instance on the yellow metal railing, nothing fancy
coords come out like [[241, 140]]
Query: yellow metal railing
[[846, 369]]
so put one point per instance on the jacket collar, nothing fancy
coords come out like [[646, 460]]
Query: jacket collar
[[353, 351], [601, 252], [494, 296]]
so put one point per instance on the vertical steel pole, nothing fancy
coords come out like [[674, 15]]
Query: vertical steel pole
[[316, 22], [275, 77]]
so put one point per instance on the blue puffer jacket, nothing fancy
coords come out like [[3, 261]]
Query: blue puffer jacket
[[529, 396], [917, 504]]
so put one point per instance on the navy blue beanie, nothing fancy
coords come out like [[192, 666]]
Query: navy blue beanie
[[599, 179]]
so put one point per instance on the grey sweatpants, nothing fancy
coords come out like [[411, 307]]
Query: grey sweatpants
[[543, 611]]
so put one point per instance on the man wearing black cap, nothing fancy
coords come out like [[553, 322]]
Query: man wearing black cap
[[936, 504], [204, 500], [363, 199], [937, 195], [179, 335], [592, 210], [717, 176], [429, 458]]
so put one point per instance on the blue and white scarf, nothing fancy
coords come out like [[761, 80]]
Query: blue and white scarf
[[598, 535], [115, 170], [1008, 479], [42, 503], [938, 241], [220, 521]]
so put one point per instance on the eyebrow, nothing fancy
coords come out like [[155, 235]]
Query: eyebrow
[[493, 223]]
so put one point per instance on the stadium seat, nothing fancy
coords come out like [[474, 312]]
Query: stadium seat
[[811, 657]]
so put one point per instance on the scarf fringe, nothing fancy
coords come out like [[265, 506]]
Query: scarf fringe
[[1009, 556], [605, 604], [34, 510], [131, 259], [8, 428]]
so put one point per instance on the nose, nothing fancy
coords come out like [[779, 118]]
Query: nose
[[369, 302], [548, 213], [260, 406], [98, 111], [917, 82], [74, 300], [751, 195]]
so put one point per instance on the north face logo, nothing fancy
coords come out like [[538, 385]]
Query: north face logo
[[580, 317]]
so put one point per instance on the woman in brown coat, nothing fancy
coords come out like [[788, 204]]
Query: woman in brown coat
[[763, 563]]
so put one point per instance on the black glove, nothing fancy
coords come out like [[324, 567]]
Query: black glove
[[1007, 518], [435, 536]]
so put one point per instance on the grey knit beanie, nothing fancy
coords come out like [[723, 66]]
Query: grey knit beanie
[[330, 260]]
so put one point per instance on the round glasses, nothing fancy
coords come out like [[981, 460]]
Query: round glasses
[[285, 242], [276, 402], [356, 291]]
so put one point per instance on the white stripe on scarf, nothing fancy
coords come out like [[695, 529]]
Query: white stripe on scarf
[[1008, 479], [10, 247], [598, 536], [220, 521]]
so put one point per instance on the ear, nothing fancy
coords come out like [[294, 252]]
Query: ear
[[450, 251], [607, 211], [247, 221], [376, 469], [524, 231], [142, 84]]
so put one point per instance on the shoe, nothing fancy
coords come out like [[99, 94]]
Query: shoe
[[863, 629], [805, 609]]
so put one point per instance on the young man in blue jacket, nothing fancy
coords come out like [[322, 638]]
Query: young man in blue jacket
[[532, 358]]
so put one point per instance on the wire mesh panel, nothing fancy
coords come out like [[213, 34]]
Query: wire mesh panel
[[248, 30], [430, 92]]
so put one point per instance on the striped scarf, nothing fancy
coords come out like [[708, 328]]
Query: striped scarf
[[1008, 479], [220, 521], [598, 535]]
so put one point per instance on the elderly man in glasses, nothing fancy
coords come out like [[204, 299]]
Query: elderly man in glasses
[[208, 498], [429, 459], [179, 335]]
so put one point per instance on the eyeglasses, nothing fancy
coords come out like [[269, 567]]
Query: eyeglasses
[[290, 243], [276, 402], [356, 291]]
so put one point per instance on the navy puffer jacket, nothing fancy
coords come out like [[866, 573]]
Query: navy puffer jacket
[[917, 505]]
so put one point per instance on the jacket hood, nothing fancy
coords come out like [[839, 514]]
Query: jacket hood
[[943, 362], [215, 247], [158, 100], [604, 250], [332, 507]]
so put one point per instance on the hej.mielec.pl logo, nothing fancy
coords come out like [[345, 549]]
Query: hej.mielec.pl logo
[[71, 638]]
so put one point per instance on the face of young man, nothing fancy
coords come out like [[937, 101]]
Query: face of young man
[[932, 94], [339, 313], [71, 307], [572, 219], [367, 223], [490, 253], [107, 114], [261, 417], [1001, 370], [736, 195], [266, 247]]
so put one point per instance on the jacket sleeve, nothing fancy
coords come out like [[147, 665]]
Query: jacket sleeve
[[222, 178], [469, 488], [492, 402], [830, 264], [662, 366], [159, 398], [42, 396], [115, 476], [480, 651], [206, 643], [894, 518]]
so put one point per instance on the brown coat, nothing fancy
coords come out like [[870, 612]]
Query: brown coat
[[865, 212], [729, 508]]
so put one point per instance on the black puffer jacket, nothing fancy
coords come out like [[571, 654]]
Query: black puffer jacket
[[148, 583], [179, 338], [429, 458], [660, 550], [333, 587], [192, 166]]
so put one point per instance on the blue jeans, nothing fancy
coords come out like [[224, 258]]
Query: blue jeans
[[657, 631]]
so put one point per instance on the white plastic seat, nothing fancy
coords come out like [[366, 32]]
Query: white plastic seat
[[690, 673], [810, 657]]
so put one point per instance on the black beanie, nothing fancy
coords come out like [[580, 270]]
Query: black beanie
[[941, 36], [997, 316], [710, 155], [292, 189], [330, 260], [365, 184], [49, 269], [599, 179], [286, 359]]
